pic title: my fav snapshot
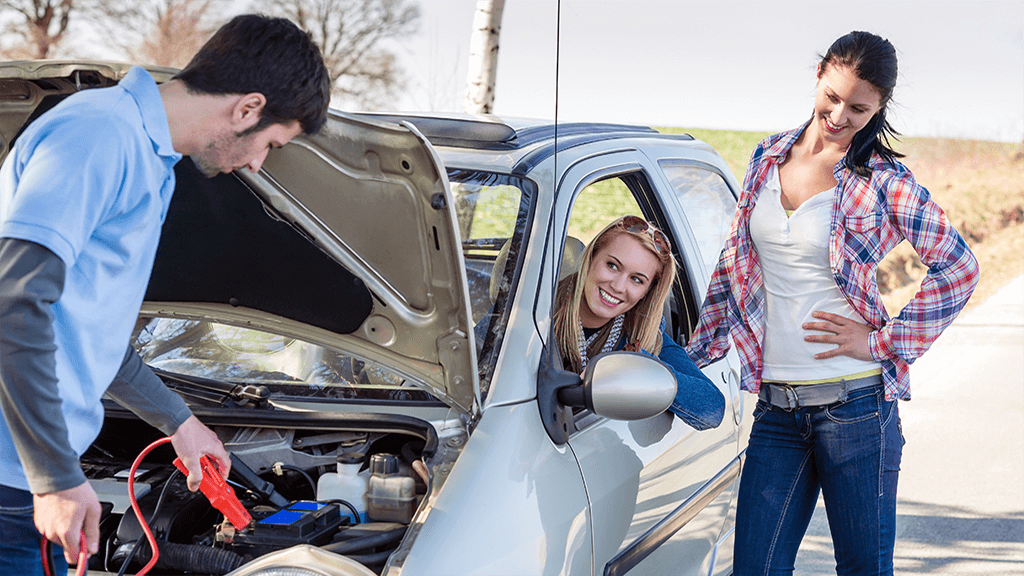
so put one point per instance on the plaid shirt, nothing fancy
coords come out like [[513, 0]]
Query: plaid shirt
[[870, 216]]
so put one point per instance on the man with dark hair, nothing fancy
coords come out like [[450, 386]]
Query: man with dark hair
[[83, 194], [280, 62]]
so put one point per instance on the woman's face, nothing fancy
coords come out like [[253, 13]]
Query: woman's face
[[619, 277], [844, 104]]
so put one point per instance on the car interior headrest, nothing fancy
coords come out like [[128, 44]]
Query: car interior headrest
[[498, 271], [574, 248], [570, 263]]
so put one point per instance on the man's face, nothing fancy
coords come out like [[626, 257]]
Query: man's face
[[228, 151]]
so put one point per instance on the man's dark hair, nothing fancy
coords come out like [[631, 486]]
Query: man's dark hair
[[272, 56]]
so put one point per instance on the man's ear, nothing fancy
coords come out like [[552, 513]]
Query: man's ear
[[247, 110]]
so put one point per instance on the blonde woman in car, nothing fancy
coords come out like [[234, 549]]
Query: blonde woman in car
[[615, 302]]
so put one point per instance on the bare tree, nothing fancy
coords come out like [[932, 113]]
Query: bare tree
[[483, 56], [37, 27], [353, 36], [161, 32], [443, 88]]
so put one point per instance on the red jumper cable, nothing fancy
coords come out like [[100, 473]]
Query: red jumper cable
[[135, 504], [213, 486]]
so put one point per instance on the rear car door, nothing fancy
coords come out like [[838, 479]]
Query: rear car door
[[705, 194]]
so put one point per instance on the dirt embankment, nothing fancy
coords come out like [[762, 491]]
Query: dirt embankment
[[980, 185]]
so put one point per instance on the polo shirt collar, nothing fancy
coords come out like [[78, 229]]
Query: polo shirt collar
[[141, 86]]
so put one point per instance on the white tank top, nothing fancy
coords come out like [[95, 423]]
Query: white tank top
[[798, 281]]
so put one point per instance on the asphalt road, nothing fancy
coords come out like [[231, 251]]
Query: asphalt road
[[960, 507]]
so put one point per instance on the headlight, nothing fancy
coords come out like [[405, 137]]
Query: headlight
[[288, 572], [303, 560]]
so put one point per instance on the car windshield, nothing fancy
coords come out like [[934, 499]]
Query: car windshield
[[492, 212]]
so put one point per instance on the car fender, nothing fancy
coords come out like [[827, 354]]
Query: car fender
[[513, 503]]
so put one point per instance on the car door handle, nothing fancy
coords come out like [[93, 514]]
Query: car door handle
[[736, 395]]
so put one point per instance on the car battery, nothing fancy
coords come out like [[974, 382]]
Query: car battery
[[301, 522]]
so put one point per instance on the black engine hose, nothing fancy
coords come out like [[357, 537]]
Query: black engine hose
[[347, 504], [309, 479], [371, 559], [347, 547], [192, 558]]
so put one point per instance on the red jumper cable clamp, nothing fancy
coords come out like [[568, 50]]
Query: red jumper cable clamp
[[220, 495]]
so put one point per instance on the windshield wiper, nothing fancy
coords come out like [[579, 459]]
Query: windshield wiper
[[216, 391]]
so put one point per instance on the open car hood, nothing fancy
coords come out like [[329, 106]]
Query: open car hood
[[375, 198], [347, 239]]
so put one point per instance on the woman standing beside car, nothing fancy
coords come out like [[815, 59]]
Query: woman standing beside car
[[795, 289]]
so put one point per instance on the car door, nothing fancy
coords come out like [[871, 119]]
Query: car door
[[705, 195], [659, 491]]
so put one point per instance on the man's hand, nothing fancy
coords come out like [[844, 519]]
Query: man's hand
[[850, 336], [62, 516], [191, 441]]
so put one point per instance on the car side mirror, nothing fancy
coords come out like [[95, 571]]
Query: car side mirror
[[616, 385], [623, 386]]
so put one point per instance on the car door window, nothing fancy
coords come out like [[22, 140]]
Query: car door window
[[603, 201], [708, 205], [598, 204], [631, 193]]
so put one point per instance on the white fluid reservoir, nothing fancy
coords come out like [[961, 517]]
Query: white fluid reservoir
[[392, 496], [348, 484]]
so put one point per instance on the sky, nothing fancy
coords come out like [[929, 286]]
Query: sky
[[725, 64]]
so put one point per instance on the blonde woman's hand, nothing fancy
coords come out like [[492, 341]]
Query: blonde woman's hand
[[849, 336]]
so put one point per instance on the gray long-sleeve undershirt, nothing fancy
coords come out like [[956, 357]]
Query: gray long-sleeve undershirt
[[31, 281]]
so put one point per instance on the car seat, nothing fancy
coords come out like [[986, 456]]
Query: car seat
[[570, 263]]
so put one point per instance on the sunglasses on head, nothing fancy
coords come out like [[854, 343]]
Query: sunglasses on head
[[637, 225]]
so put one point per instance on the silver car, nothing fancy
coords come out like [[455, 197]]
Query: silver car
[[366, 324]]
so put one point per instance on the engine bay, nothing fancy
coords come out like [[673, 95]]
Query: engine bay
[[350, 486]]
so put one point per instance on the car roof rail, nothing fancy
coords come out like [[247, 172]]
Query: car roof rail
[[468, 131]]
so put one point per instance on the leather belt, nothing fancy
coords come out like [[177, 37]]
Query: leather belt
[[790, 397]]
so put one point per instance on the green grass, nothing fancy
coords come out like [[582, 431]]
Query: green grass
[[599, 204]]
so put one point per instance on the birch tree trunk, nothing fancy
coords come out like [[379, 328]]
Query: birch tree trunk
[[483, 56]]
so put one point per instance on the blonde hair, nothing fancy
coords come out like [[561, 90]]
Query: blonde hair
[[642, 322]]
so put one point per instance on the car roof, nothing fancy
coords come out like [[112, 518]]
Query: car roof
[[524, 141]]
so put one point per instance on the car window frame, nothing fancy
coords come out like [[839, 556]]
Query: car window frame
[[640, 175]]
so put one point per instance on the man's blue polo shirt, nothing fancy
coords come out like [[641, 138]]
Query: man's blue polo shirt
[[91, 181]]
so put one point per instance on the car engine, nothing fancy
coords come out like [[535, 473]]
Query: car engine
[[349, 491]]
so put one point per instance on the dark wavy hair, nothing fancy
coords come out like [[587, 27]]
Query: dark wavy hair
[[272, 56], [873, 59]]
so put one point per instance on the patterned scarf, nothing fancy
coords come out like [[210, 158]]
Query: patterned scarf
[[609, 343]]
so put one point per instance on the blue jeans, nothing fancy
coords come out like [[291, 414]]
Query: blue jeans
[[851, 452], [19, 539]]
